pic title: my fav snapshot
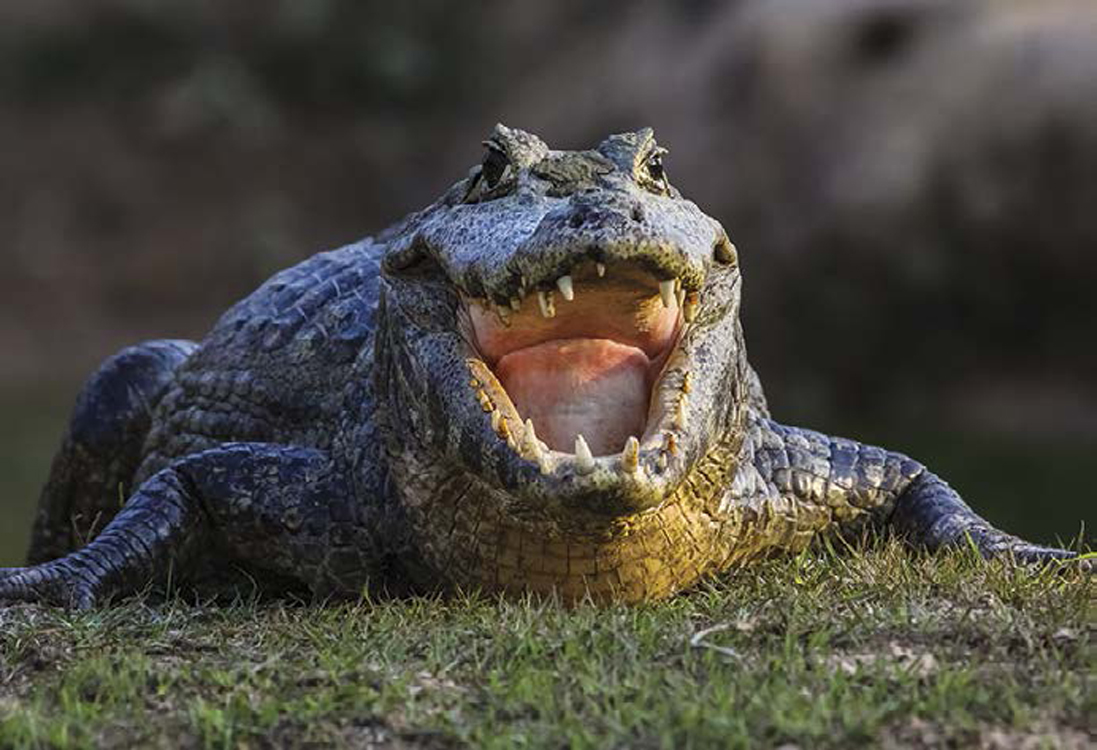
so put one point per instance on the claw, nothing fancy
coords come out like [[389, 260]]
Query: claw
[[49, 583]]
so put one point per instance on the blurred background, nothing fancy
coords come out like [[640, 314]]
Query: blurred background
[[912, 185]]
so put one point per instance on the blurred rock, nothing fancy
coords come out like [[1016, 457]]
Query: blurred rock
[[910, 182]]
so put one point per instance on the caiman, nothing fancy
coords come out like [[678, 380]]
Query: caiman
[[538, 383]]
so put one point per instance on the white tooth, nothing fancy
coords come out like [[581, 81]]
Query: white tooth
[[548, 308], [666, 291], [584, 461], [662, 461], [496, 419], [680, 413], [630, 456], [515, 304], [679, 297], [504, 315], [530, 446], [689, 308], [565, 286], [601, 269]]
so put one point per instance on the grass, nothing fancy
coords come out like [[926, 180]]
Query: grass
[[882, 647]]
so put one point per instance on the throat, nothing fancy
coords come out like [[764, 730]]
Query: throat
[[598, 388]]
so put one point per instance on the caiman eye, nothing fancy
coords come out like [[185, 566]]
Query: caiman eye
[[654, 166], [495, 164]]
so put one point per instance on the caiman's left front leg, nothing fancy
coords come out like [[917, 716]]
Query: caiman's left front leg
[[853, 483]]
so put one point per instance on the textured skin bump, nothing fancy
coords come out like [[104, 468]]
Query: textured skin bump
[[338, 430]]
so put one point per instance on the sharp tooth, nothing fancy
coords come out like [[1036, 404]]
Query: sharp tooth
[[515, 304], [680, 413], [671, 444], [601, 269], [584, 461], [687, 381], [503, 313], [530, 447], [689, 308], [566, 287], [548, 308], [630, 456], [666, 291], [496, 420], [661, 462], [679, 297]]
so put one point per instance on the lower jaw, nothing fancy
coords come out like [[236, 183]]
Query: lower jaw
[[470, 537]]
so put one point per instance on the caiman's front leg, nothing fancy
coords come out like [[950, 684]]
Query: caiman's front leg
[[285, 510], [856, 482]]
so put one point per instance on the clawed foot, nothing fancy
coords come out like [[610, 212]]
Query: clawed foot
[[62, 583], [1010, 547]]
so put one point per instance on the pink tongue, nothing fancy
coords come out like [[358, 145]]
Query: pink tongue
[[596, 387]]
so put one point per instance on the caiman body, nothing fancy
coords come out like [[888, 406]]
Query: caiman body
[[538, 383]]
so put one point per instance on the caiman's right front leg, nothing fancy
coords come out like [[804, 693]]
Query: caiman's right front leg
[[102, 446], [849, 482], [285, 510]]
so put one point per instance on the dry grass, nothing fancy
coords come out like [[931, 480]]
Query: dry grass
[[828, 650]]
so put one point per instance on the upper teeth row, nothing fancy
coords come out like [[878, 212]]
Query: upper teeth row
[[670, 292]]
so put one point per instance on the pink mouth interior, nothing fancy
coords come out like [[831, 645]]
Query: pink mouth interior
[[590, 369]]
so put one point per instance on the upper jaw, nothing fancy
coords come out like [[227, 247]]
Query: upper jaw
[[545, 270], [526, 243]]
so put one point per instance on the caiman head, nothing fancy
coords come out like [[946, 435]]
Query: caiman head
[[559, 345]]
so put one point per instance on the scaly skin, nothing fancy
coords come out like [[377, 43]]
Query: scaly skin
[[339, 427]]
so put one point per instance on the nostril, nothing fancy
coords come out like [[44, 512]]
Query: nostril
[[637, 213], [576, 221], [724, 252]]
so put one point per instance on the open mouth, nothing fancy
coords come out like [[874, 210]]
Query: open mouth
[[573, 370]]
